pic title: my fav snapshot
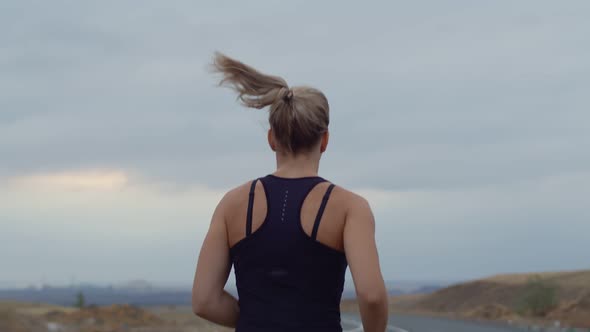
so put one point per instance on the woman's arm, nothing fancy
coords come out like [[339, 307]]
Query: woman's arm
[[361, 253], [210, 301]]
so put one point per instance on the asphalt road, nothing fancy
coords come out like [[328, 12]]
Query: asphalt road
[[411, 323]]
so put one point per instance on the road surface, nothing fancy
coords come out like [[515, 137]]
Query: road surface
[[411, 323]]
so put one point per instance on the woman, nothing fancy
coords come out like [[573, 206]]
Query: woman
[[289, 235]]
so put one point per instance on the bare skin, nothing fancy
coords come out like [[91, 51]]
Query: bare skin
[[347, 225]]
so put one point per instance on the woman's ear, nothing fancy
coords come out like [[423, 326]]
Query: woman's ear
[[325, 140], [271, 141]]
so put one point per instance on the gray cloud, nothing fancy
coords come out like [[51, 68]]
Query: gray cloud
[[425, 97]]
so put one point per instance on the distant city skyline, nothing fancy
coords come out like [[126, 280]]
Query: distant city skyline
[[464, 124]]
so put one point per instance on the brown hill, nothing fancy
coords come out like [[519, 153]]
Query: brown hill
[[38, 317], [25, 317], [106, 318], [11, 321], [575, 312], [34, 317], [502, 297]]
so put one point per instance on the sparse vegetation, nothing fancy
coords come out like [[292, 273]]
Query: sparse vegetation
[[539, 297], [80, 300]]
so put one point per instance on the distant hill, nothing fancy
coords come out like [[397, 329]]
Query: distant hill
[[66, 296], [349, 294], [425, 290], [401, 287], [512, 295], [142, 293]]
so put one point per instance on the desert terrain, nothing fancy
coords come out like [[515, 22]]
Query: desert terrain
[[548, 299]]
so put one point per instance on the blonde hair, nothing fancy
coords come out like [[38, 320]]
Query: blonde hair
[[298, 116]]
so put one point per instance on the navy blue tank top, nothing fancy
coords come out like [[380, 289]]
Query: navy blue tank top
[[287, 280]]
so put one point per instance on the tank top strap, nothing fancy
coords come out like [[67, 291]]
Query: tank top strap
[[318, 218], [250, 208]]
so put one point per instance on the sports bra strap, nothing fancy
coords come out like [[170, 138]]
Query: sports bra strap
[[250, 207], [318, 217]]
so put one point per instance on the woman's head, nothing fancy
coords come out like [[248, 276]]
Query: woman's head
[[298, 116]]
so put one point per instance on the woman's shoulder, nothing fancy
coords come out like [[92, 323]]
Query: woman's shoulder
[[349, 198], [235, 199], [357, 207], [239, 192]]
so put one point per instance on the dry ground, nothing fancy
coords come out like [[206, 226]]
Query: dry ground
[[498, 297]]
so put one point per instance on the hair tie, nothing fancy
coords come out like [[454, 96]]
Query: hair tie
[[286, 94]]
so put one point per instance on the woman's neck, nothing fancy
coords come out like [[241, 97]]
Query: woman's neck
[[301, 165]]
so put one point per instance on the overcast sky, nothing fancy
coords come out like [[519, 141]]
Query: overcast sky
[[464, 123]]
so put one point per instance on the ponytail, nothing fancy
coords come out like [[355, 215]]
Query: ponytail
[[298, 116]]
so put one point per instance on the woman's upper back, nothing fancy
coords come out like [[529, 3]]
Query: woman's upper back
[[288, 252], [290, 240]]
